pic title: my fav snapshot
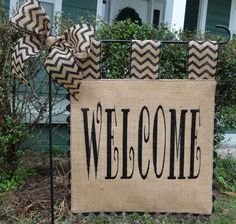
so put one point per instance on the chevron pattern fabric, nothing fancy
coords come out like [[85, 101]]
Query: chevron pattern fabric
[[72, 56], [61, 66], [202, 59], [82, 32], [145, 59], [26, 47], [90, 67], [32, 18]]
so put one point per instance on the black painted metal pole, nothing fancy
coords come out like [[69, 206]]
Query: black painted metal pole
[[50, 147]]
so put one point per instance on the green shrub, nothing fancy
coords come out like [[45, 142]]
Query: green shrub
[[14, 102], [226, 174], [12, 135], [116, 56], [15, 179], [225, 120], [58, 151], [116, 63]]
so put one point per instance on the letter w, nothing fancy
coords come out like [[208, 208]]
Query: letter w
[[92, 140]]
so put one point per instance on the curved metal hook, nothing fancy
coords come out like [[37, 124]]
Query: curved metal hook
[[229, 35]]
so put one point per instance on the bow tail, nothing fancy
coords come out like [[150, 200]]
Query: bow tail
[[61, 66], [26, 47]]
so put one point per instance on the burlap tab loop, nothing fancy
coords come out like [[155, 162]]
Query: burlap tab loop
[[202, 59]]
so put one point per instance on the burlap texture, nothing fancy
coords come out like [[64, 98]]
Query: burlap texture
[[202, 59], [90, 194], [145, 59]]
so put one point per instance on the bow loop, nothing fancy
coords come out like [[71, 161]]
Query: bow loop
[[31, 18], [62, 67]]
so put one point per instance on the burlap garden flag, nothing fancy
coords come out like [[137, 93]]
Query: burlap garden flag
[[142, 145]]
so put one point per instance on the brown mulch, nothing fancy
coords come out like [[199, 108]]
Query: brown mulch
[[33, 197]]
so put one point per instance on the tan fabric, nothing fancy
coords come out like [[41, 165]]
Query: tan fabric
[[90, 67], [104, 100], [26, 47], [202, 59], [31, 17], [145, 59], [62, 64]]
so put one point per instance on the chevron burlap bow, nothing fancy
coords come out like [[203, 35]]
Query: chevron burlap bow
[[66, 52]]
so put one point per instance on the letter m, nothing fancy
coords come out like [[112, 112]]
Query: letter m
[[177, 143]]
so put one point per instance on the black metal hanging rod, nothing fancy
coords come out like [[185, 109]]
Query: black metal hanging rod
[[228, 33]]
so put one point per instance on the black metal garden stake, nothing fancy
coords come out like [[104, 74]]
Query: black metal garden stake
[[50, 147]]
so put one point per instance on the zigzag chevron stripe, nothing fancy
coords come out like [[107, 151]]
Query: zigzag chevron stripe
[[148, 53], [90, 67], [201, 55], [200, 64], [144, 69], [31, 17], [61, 65], [145, 59], [202, 60], [87, 33], [26, 47], [204, 73], [201, 45], [153, 61], [82, 32], [144, 45]]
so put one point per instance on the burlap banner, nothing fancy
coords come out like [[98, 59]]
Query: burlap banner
[[142, 145]]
